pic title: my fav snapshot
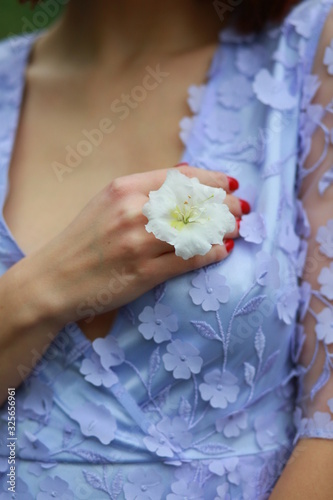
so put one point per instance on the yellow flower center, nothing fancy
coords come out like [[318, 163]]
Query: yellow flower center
[[187, 214]]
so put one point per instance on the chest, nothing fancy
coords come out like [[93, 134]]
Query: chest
[[72, 140]]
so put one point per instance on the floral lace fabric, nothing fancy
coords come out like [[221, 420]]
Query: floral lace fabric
[[205, 384]]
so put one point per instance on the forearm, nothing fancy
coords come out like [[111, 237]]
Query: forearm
[[28, 321], [308, 474]]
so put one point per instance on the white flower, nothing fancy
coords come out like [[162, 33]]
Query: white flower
[[188, 215]]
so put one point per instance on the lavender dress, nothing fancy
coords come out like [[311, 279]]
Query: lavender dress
[[201, 389]]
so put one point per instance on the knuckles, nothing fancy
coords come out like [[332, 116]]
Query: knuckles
[[119, 187], [220, 180], [216, 254], [186, 170], [129, 216], [131, 246], [122, 204], [233, 204]]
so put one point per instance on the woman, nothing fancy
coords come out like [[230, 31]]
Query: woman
[[160, 377]]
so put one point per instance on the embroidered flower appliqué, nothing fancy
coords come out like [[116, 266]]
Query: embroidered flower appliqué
[[325, 238], [95, 420], [109, 352], [143, 484], [181, 490], [252, 228], [219, 388], [267, 270], [328, 58], [324, 327], [54, 488], [273, 92], [326, 280], [182, 359], [96, 374], [157, 323], [209, 290]]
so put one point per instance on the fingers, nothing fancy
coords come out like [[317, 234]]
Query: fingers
[[210, 177], [235, 233], [237, 206], [155, 247], [216, 254], [170, 265], [152, 181]]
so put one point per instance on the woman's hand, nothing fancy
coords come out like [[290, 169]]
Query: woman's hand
[[105, 258]]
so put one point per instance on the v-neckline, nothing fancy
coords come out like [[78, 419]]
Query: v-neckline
[[7, 146]]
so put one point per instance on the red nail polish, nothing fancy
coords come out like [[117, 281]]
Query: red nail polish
[[182, 164], [229, 245], [233, 183], [245, 207], [238, 221]]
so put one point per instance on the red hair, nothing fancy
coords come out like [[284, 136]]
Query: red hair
[[246, 15]]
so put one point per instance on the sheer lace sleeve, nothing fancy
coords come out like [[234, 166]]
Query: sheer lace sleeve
[[314, 346]]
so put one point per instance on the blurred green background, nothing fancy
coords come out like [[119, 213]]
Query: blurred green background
[[19, 19]]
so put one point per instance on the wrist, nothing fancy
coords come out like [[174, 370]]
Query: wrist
[[33, 295]]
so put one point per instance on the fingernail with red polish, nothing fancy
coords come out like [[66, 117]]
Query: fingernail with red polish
[[238, 221], [233, 183], [182, 164], [245, 207], [229, 245]]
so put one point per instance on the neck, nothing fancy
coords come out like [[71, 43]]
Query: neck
[[98, 31]]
